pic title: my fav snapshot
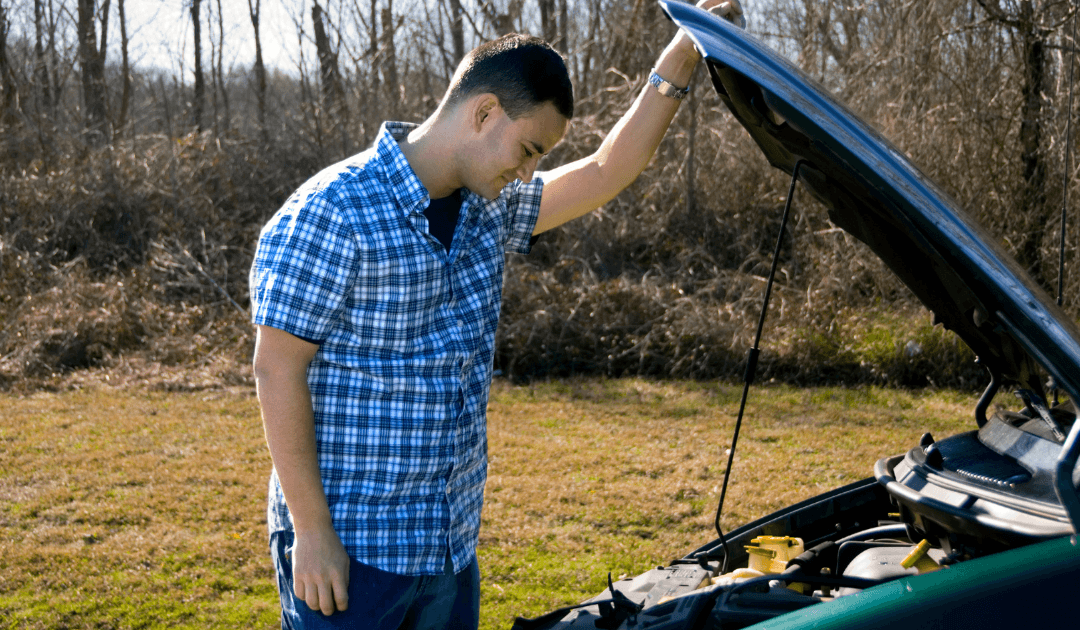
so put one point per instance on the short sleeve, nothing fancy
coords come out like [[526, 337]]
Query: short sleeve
[[523, 210], [304, 266]]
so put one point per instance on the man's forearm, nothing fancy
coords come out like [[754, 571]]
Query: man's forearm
[[288, 422], [281, 362], [582, 186], [631, 143]]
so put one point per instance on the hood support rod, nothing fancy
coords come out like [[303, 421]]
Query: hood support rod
[[752, 360]]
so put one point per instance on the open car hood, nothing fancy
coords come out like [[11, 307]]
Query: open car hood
[[875, 193]]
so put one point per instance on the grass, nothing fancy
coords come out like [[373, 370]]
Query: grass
[[145, 509]]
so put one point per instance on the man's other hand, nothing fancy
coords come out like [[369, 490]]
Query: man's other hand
[[321, 570], [730, 10]]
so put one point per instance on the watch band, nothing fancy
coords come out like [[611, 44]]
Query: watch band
[[667, 89]]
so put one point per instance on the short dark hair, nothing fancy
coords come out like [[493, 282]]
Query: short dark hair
[[524, 72]]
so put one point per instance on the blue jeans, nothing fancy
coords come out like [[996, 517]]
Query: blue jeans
[[384, 601]]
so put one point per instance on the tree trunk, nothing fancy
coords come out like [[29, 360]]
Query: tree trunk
[[333, 93], [166, 110], [373, 29], [503, 23], [1036, 211], [564, 26], [200, 84], [92, 64], [7, 85], [103, 44], [260, 71], [125, 69], [42, 75], [389, 65], [548, 24], [375, 59], [220, 69], [457, 30]]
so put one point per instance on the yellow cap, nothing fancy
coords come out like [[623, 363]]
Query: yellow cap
[[919, 559]]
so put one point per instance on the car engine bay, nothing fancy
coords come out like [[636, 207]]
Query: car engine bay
[[938, 507]]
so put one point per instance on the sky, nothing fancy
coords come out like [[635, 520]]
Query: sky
[[160, 32]]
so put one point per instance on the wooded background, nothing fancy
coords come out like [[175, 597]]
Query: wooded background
[[131, 197]]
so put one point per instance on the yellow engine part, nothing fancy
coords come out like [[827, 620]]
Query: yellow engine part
[[770, 554], [919, 559]]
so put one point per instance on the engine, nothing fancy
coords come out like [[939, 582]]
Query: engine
[[961, 513]]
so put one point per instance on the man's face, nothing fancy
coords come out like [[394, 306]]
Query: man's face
[[510, 149]]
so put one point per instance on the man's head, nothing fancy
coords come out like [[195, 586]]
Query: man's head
[[523, 72]]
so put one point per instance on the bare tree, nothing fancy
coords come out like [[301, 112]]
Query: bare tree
[[103, 42], [548, 22], [92, 64], [219, 72], [563, 40], [1024, 19], [125, 69], [166, 108], [200, 84], [254, 11], [42, 72], [457, 30], [389, 61], [7, 83], [503, 21], [333, 91]]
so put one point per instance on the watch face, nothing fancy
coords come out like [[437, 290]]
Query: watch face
[[667, 89]]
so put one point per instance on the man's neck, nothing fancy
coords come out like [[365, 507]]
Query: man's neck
[[429, 150]]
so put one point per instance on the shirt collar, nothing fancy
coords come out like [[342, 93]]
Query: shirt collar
[[408, 191], [411, 195]]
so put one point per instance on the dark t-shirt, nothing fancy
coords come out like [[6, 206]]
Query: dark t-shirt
[[442, 215]]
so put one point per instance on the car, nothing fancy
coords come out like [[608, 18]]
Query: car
[[972, 530]]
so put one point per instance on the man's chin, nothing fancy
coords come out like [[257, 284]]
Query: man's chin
[[493, 191]]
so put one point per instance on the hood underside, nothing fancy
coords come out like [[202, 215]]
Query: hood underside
[[875, 193]]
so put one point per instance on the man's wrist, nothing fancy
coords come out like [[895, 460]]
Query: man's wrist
[[682, 50], [666, 88], [678, 60]]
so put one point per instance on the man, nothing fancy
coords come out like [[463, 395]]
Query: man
[[376, 292]]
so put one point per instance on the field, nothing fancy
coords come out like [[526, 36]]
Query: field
[[135, 508]]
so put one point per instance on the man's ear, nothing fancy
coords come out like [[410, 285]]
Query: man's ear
[[486, 106]]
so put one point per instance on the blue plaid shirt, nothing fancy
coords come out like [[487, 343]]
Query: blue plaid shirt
[[406, 335]]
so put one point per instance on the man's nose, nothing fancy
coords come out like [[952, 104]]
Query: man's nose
[[525, 171]]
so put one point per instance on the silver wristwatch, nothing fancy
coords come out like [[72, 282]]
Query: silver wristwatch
[[667, 89]]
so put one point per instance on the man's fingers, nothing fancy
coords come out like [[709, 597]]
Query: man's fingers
[[730, 10], [341, 592], [326, 600], [331, 597], [308, 593], [733, 6]]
